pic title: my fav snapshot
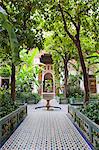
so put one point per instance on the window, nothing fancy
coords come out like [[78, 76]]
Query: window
[[48, 67], [92, 84]]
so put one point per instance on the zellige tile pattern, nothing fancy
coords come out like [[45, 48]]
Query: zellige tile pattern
[[46, 130]]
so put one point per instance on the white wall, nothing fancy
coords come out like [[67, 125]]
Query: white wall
[[0, 81], [35, 87], [97, 84], [82, 84]]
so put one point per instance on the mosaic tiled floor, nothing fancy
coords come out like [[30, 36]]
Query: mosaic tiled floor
[[46, 130]]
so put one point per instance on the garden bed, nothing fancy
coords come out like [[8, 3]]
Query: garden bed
[[27, 97], [92, 111]]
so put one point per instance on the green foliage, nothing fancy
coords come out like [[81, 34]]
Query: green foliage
[[33, 18], [74, 90], [28, 57], [24, 15], [74, 80], [27, 72], [92, 111], [61, 96], [93, 61], [5, 71], [59, 45], [26, 97], [6, 104], [78, 19], [94, 97], [5, 23]]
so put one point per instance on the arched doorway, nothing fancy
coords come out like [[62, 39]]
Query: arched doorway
[[48, 83], [48, 91]]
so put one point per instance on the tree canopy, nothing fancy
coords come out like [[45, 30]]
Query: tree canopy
[[67, 29]]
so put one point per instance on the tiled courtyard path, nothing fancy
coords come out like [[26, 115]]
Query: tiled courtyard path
[[46, 130]]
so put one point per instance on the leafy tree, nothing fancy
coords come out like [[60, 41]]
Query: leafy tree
[[13, 45], [62, 51], [75, 16], [90, 52], [25, 18]]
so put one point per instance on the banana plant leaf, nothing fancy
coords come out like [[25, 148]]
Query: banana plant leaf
[[12, 36]]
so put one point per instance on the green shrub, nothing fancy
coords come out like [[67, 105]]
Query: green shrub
[[6, 104], [61, 96], [94, 97], [5, 71], [92, 111], [24, 97], [36, 97], [75, 92]]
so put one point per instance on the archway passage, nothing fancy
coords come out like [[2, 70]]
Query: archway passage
[[48, 83]]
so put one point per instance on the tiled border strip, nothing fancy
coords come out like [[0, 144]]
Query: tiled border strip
[[81, 133]]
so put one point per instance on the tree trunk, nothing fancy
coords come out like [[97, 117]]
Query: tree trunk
[[85, 75], [78, 45], [13, 82], [65, 77]]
